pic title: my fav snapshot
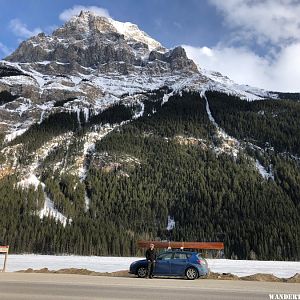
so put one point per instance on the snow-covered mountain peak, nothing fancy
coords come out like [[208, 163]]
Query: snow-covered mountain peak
[[132, 32], [88, 20], [89, 63], [92, 43]]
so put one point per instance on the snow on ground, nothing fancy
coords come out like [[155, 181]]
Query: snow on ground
[[282, 269]]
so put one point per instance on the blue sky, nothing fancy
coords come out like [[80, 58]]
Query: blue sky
[[253, 42], [172, 22]]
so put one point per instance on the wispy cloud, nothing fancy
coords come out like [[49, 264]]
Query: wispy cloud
[[280, 72], [20, 29], [76, 9], [273, 21]]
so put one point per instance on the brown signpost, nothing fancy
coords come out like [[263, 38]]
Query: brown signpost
[[4, 249]]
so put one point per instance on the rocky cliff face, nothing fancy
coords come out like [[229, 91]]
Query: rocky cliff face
[[104, 46], [96, 62]]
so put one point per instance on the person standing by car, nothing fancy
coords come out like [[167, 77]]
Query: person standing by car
[[151, 258]]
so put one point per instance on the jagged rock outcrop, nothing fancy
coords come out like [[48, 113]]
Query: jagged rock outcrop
[[95, 61], [102, 44]]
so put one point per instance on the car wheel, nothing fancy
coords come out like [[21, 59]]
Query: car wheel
[[191, 273], [141, 272]]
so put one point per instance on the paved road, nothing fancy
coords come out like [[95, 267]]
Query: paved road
[[19, 286]]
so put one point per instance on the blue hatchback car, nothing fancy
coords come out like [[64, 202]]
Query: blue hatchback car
[[174, 263]]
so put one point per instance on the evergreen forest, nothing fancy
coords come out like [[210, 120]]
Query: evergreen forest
[[162, 164]]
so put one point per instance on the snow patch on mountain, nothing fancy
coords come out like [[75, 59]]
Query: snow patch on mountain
[[31, 180], [166, 98], [11, 136], [50, 211], [171, 223], [87, 201], [229, 144], [140, 111], [89, 147], [221, 83], [263, 171], [131, 31]]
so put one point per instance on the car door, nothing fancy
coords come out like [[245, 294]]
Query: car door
[[178, 263], [163, 266]]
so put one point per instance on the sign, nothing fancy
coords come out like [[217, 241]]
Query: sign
[[4, 249]]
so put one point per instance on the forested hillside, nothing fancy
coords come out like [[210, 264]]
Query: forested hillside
[[268, 123], [164, 164]]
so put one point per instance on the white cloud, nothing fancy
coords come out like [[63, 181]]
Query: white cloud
[[273, 24], [281, 72], [21, 30], [4, 50], [275, 21], [76, 9]]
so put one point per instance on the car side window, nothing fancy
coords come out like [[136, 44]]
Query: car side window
[[166, 256], [179, 255]]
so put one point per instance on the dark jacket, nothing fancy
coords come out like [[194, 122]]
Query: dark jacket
[[151, 254]]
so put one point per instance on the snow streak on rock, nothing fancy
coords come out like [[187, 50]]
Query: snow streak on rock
[[229, 144], [89, 147]]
